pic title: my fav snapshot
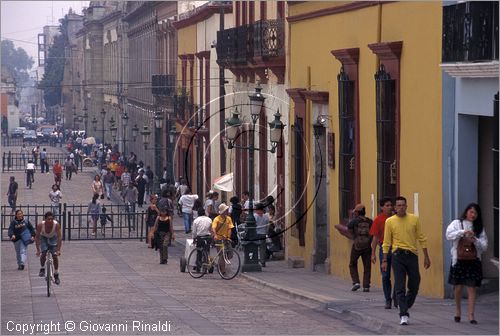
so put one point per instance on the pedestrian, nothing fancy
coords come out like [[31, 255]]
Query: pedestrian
[[21, 233], [262, 225], [377, 232], [12, 194], [104, 218], [129, 196], [466, 233], [359, 227], [202, 235], [94, 210], [401, 232], [150, 218], [44, 166], [97, 187], [118, 174], [186, 202], [165, 202], [24, 153], [109, 180], [210, 205], [55, 199], [69, 166], [141, 183], [197, 205], [221, 229], [57, 169], [35, 153], [150, 176], [126, 179], [235, 210], [164, 232]]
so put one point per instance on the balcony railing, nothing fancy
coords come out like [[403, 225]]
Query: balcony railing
[[261, 41], [470, 32], [162, 85]]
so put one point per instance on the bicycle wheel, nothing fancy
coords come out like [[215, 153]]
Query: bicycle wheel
[[231, 260], [48, 273], [195, 271]]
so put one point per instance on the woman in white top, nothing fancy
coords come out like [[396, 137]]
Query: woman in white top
[[55, 199], [97, 186], [467, 272]]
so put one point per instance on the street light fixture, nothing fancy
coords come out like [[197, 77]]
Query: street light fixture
[[94, 123], [103, 117], [135, 131], [145, 136], [85, 118], [251, 261]]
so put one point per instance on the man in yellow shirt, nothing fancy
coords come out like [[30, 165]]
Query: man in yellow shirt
[[221, 228], [402, 231]]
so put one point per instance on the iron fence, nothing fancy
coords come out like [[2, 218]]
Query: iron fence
[[123, 221], [17, 161]]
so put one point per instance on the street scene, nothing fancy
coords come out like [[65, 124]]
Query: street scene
[[249, 167]]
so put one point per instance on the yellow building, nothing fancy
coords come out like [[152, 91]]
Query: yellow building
[[370, 82]]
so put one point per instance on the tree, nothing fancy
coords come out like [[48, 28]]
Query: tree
[[51, 83], [17, 61]]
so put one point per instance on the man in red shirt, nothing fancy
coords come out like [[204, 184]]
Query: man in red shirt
[[377, 231], [57, 170]]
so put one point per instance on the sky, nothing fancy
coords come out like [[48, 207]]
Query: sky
[[23, 20]]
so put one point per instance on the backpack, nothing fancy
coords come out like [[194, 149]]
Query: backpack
[[363, 238], [466, 249]]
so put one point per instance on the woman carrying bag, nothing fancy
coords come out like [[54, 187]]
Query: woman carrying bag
[[22, 233], [469, 242]]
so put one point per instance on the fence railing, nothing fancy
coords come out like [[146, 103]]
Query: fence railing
[[126, 221], [17, 161]]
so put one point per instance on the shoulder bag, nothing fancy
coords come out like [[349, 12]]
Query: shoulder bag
[[466, 249]]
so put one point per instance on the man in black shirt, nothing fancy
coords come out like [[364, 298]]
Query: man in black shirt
[[12, 194]]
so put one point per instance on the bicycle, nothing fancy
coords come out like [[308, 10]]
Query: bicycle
[[30, 176], [49, 269], [230, 261]]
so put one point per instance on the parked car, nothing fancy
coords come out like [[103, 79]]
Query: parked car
[[30, 136], [18, 132]]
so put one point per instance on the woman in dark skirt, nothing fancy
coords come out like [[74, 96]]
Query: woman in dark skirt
[[467, 273]]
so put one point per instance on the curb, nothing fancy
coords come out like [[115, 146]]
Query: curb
[[373, 324]]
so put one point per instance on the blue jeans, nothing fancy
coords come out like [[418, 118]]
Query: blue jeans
[[131, 216], [187, 221], [386, 276], [109, 188], [20, 252]]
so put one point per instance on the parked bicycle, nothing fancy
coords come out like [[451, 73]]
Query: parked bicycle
[[227, 261]]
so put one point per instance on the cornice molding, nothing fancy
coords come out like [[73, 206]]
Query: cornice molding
[[320, 97], [471, 70], [202, 14], [387, 50], [355, 5], [346, 56], [296, 94]]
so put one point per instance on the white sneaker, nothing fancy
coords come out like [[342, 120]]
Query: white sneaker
[[404, 320]]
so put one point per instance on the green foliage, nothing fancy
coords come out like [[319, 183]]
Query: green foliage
[[16, 60], [51, 83]]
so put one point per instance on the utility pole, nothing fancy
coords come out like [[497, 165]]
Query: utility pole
[[222, 102]]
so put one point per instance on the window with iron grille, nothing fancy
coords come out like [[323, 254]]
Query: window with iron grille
[[347, 152], [386, 134]]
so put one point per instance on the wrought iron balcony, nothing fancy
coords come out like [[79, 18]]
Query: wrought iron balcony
[[470, 32], [269, 38], [235, 46], [162, 85]]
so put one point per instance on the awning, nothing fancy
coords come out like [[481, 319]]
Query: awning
[[224, 183]]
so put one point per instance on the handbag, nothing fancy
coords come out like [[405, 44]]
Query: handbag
[[26, 237], [466, 249]]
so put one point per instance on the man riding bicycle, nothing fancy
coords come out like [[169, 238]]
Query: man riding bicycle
[[49, 238], [30, 173]]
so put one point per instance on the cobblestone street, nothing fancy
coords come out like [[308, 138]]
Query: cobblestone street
[[121, 281]]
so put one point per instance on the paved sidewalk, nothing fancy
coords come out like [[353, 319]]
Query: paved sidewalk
[[428, 315]]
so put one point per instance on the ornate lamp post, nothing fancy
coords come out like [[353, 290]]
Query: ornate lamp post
[[124, 134], [251, 260], [158, 121], [170, 170]]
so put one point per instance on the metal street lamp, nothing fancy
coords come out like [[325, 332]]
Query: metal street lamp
[[251, 261], [85, 118], [145, 136], [103, 118], [124, 136], [158, 121]]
